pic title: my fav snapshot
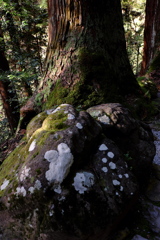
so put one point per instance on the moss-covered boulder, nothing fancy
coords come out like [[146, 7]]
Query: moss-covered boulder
[[66, 180]]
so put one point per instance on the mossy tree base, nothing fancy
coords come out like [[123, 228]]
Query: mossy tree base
[[86, 61]]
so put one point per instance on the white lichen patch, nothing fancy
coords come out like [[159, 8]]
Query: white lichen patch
[[120, 176], [56, 110], [58, 189], [32, 146], [31, 190], [62, 198], [103, 147], [37, 186], [126, 175], [105, 169], [71, 116], [79, 126], [21, 191], [24, 173], [62, 212], [51, 155], [4, 184], [104, 160], [104, 119], [51, 212], [121, 188], [112, 165], [116, 182], [64, 105], [49, 111], [83, 181], [110, 155], [60, 163]]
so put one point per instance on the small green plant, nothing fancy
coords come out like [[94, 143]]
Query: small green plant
[[127, 157]]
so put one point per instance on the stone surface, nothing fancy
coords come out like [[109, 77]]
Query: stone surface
[[153, 191], [153, 216], [138, 237], [71, 169], [133, 137]]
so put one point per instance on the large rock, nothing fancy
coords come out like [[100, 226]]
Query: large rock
[[134, 138], [68, 179]]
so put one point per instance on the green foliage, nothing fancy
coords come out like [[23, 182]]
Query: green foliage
[[148, 87], [24, 41], [133, 18], [24, 29], [4, 128]]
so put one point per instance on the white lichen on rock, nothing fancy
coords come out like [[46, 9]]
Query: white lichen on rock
[[103, 147], [51, 155], [21, 191], [83, 181], [116, 182], [71, 116], [31, 189], [112, 165], [58, 189], [79, 126], [105, 169], [56, 110], [60, 163], [110, 155], [126, 175], [24, 173], [120, 176], [4, 184], [104, 160], [37, 186], [104, 119], [121, 188], [32, 146]]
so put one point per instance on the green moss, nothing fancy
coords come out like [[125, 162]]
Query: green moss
[[35, 123], [35, 154], [13, 162], [96, 83], [38, 171], [57, 96], [52, 123]]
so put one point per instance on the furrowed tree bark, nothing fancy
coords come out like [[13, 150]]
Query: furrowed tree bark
[[7, 92], [151, 34], [87, 47]]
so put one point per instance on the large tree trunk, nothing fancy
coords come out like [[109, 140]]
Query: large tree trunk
[[87, 52], [151, 34], [7, 92]]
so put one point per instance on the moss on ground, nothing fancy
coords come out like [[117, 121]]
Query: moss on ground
[[10, 167]]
